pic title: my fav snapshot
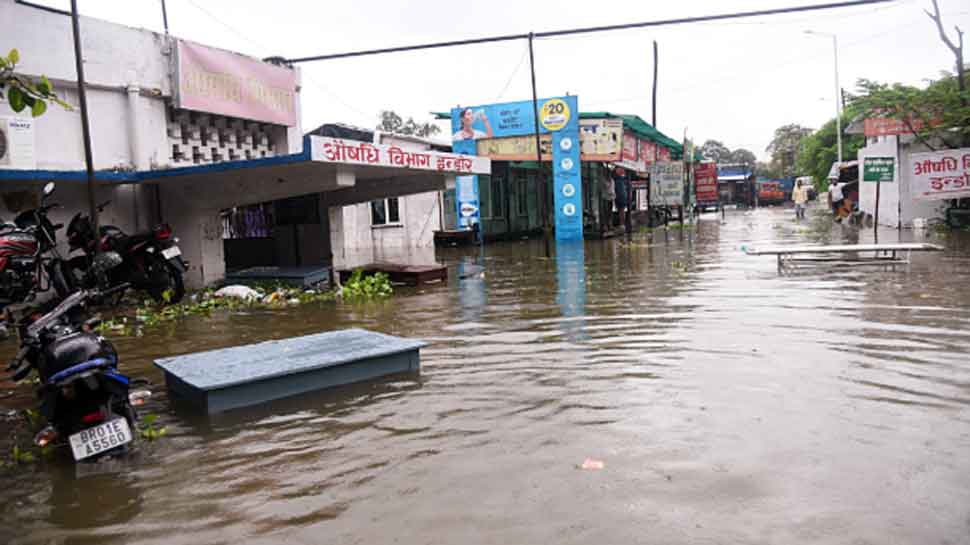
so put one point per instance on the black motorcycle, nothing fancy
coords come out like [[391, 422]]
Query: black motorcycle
[[152, 260], [86, 401], [29, 256]]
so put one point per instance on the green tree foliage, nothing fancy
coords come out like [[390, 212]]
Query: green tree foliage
[[784, 147], [766, 170], [938, 114], [21, 92], [742, 156], [818, 150], [393, 123], [714, 150]]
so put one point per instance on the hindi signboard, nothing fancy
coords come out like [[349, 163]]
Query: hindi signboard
[[941, 175], [353, 152], [220, 82], [878, 169], [599, 141], [667, 184], [705, 182]]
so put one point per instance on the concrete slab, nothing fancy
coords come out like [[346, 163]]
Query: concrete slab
[[241, 376], [301, 277]]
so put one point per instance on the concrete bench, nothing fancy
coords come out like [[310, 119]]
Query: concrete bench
[[241, 376]]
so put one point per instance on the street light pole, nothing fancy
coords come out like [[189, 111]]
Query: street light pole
[[838, 91]]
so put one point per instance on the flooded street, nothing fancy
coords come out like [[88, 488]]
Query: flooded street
[[728, 404]]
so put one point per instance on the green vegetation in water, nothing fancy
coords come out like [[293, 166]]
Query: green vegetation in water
[[360, 286], [149, 431], [679, 266], [21, 456], [269, 295]]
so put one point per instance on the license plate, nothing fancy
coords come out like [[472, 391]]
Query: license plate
[[169, 253], [100, 438]]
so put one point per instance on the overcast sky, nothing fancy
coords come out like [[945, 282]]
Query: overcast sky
[[730, 81]]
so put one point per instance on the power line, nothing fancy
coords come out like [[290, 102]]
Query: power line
[[587, 30], [525, 53]]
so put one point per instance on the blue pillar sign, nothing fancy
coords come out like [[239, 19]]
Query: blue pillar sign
[[558, 117]]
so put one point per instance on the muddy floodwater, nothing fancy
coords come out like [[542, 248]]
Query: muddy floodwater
[[728, 403]]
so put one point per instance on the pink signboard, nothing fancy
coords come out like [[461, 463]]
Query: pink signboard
[[219, 82]]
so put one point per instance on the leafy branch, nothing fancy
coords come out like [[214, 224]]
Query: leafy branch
[[23, 93]]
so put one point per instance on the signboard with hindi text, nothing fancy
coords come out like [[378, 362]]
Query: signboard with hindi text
[[599, 141], [354, 152], [221, 82], [667, 184], [17, 143], [940, 175], [878, 169]]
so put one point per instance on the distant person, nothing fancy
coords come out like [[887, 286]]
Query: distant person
[[467, 131], [800, 196], [607, 196], [621, 188]]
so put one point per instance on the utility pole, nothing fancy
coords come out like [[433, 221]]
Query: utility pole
[[85, 126], [164, 17], [655, 57], [838, 91], [541, 179]]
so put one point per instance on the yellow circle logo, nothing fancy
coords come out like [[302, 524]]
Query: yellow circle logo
[[554, 114]]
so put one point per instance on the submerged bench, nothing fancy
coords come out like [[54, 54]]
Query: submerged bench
[[881, 254], [241, 376]]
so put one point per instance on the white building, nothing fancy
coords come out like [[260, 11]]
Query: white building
[[182, 132]]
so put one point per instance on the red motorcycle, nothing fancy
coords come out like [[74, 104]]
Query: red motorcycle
[[29, 261]]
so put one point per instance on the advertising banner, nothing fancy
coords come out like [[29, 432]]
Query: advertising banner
[[664, 154], [648, 152], [629, 148], [220, 82], [558, 117], [17, 143], [705, 182], [599, 141], [878, 169], [667, 184], [941, 174]]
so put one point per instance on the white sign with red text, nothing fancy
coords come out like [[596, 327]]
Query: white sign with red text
[[354, 152], [941, 174]]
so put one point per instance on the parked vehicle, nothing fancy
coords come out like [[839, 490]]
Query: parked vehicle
[[770, 193], [86, 401], [29, 261], [152, 260]]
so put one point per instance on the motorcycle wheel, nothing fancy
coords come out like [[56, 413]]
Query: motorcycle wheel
[[164, 278]]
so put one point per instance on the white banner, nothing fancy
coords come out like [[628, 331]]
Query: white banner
[[17, 143], [941, 175], [667, 184], [354, 152]]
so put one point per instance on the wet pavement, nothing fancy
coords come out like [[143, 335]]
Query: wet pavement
[[728, 404]]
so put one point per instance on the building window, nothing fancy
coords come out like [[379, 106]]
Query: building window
[[385, 212]]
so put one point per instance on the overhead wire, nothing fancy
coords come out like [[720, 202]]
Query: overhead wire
[[525, 53]]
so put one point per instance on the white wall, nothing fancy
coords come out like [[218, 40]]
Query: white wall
[[356, 241], [896, 205]]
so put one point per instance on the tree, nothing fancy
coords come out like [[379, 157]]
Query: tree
[[957, 50], [766, 170], [784, 147], [742, 156], [21, 91], [713, 150], [818, 150], [393, 123]]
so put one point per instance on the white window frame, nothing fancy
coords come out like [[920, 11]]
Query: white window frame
[[387, 213]]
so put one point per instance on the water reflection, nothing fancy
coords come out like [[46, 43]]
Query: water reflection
[[571, 284]]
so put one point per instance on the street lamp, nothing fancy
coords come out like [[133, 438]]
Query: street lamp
[[838, 90]]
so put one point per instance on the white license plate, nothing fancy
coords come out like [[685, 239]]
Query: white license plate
[[169, 253], [100, 438]]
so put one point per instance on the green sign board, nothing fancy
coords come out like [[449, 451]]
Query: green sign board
[[878, 169]]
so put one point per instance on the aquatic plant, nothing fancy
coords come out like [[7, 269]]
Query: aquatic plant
[[148, 430], [361, 286]]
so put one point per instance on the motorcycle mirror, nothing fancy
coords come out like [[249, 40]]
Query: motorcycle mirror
[[105, 261], [48, 189]]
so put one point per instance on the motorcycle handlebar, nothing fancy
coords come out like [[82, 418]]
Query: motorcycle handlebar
[[71, 301]]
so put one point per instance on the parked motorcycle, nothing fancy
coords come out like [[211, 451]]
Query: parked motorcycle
[[28, 255], [87, 402], [152, 260]]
